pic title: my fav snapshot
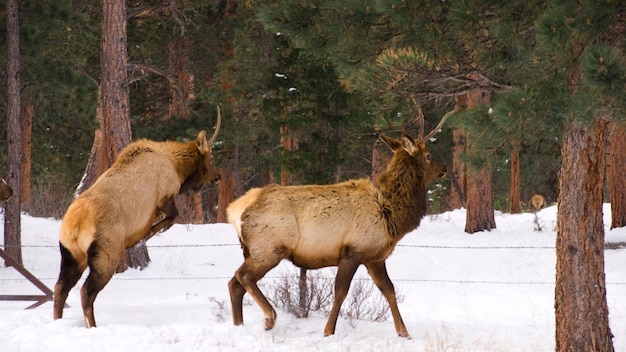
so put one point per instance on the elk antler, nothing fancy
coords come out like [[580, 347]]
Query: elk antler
[[420, 118], [439, 125], [217, 126]]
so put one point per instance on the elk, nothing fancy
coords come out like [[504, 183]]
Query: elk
[[5, 191], [122, 208], [344, 225], [537, 202]]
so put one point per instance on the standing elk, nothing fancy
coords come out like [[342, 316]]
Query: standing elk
[[537, 202], [121, 208], [344, 225]]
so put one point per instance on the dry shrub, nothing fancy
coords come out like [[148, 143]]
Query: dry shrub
[[364, 300]]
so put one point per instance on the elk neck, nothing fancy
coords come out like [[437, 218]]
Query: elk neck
[[404, 195], [186, 160]]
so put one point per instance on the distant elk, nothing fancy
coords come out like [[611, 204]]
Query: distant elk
[[344, 225], [537, 202], [5, 191], [122, 208]]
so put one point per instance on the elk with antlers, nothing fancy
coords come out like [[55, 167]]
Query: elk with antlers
[[122, 207], [344, 225]]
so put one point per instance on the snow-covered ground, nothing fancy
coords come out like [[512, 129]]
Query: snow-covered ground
[[490, 291]]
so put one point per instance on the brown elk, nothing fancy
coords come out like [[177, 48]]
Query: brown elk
[[537, 202], [5, 191], [121, 208], [344, 225]]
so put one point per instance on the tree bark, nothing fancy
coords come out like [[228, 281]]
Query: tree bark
[[615, 173], [480, 213], [227, 192], [182, 83], [582, 322], [456, 198], [514, 192], [12, 212], [479, 197], [26, 152]]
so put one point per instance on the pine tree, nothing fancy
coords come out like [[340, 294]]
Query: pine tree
[[12, 222], [581, 44]]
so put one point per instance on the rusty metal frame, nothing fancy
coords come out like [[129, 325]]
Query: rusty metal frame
[[40, 299]]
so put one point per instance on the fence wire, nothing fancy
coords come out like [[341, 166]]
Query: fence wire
[[440, 281]]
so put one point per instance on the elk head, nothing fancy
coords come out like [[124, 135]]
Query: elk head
[[207, 171]]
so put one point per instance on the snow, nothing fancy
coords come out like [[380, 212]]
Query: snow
[[490, 291]]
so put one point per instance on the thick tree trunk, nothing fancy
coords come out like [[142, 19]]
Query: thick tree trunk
[[12, 212], [582, 322], [480, 213], [479, 197], [615, 173], [514, 192]]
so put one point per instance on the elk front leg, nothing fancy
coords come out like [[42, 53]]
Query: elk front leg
[[168, 208], [345, 272], [378, 272]]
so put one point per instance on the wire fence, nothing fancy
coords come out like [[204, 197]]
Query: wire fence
[[407, 280]]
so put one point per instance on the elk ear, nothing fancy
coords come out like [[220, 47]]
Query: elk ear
[[202, 143], [408, 144], [392, 143]]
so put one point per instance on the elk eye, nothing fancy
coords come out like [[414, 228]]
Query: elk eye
[[427, 156]]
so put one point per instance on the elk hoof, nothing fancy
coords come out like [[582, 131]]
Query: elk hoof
[[269, 321], [404, 334]]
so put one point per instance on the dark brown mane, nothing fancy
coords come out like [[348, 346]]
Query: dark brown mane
[[404, 194]]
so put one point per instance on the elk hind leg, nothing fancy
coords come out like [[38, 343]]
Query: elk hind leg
[[71, 271], [102, 265], [247, 275], [237, 291], [345, 272], [378, 272]]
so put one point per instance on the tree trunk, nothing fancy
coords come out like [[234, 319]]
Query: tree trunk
[[456, 174], [582, 322], [182, 83], [615, 173], [26, 157], [12, 220], [227, 192], [480, 213], [514, 192], [479, 197]]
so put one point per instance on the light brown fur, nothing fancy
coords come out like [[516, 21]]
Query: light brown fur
[[121, 208], [343, 225], [5, 191], [537, 202]]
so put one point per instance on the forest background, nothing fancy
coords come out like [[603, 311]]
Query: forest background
[[533, 91], [186, 57]]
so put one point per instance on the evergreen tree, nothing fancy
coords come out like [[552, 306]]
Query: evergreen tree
[[582, 45]]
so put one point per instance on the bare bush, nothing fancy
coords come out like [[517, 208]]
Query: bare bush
[[364, 301]]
